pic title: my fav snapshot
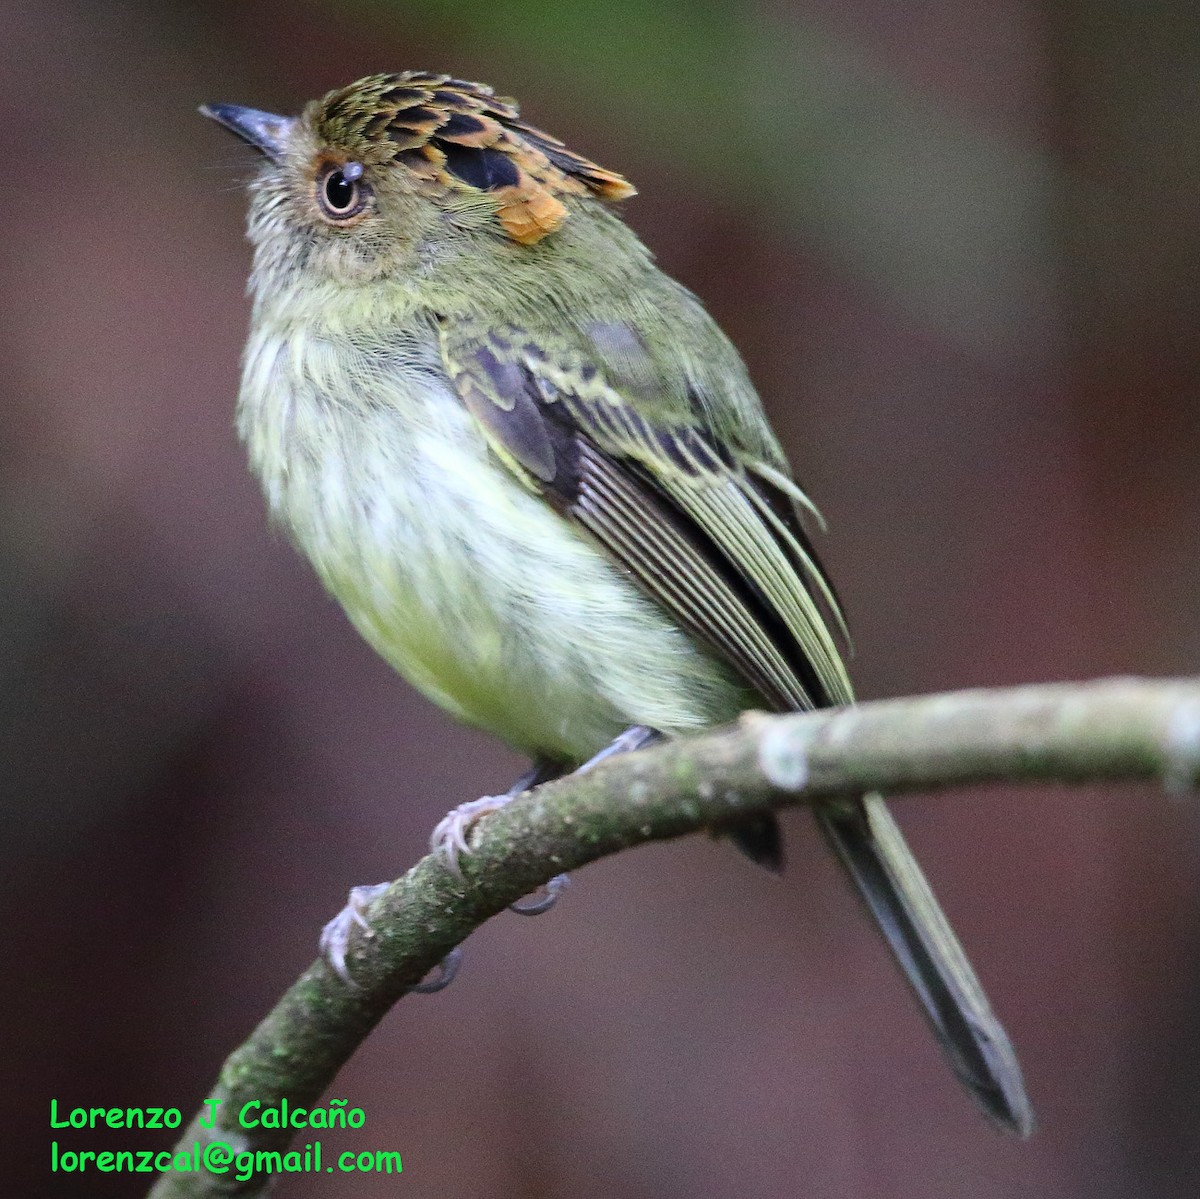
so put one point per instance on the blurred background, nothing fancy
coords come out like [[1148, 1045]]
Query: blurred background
[[958, 246]]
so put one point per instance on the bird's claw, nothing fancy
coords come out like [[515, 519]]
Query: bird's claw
[[449, 838], [448, 968], [335, 936], [335, 941], [553, 889]]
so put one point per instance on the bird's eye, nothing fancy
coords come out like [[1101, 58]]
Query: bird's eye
[[341, 192]]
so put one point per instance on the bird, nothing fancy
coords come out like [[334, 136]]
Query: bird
[[536, 474]]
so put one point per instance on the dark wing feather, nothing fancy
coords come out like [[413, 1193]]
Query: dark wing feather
[[641, 530], [693, 526], [717, 541]]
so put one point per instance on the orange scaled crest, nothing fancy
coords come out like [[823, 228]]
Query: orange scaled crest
[[453, 134]]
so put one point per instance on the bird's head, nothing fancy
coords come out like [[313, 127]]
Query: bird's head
[[381, 175]]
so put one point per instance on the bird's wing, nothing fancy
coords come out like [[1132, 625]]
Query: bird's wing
[[712, 536]]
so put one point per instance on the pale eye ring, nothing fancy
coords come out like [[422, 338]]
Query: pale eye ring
[[341, 192]]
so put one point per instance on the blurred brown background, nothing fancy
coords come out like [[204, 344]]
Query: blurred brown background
[[958, 247]]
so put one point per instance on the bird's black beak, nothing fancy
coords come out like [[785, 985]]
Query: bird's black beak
[[263, 130]]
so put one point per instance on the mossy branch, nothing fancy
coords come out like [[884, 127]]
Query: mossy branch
[[1102, 731]]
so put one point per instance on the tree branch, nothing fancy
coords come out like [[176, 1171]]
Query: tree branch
[[1102, 731]]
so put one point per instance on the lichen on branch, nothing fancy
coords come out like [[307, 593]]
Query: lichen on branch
[[1104, 731]]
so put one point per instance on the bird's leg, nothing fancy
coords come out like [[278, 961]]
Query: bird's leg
[[450, 836], [636, 736], [450, 839]]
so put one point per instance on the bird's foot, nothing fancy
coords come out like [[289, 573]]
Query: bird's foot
[[335, 940], [550, 893], [637, 736], [335, 936], [449, 838], [447, 970]]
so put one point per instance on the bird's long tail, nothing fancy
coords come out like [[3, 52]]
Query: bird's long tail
[[873, 850]]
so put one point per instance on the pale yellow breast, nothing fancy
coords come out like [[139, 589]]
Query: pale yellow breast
[[470, 586]]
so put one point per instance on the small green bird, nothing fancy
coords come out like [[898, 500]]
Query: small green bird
[[536, 475]]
